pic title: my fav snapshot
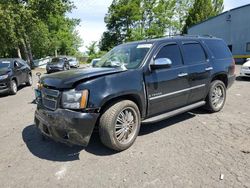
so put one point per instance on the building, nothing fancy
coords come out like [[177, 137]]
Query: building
[[233, 26]]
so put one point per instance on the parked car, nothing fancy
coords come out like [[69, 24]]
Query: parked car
[[73, 62], [245, 69], [58, 64], [137, 82], [13, 73], [94, 62]]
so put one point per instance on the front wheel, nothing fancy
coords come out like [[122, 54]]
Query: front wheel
[[13, 87], [216, 98], [119, 125]]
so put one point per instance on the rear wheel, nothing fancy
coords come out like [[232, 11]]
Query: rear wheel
[[119, 125], [216, 98], [13, 87]]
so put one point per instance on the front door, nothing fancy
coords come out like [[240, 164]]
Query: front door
[[167, 88], [19, 72]]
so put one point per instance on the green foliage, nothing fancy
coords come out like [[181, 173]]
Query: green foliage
[[202, 10], [129, 20], [181, 12], [93, 52], [37, 28]]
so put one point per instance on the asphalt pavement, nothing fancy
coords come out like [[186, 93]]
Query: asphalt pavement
[[195, 149]]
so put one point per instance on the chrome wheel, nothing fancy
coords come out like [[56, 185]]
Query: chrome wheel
[[126, 124], [14, 87], [30, 80], [218, 96]]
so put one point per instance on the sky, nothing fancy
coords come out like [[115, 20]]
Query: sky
[[92, 13]]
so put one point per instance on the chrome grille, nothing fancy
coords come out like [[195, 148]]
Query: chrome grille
[[50, 98]]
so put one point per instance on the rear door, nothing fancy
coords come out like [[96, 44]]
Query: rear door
[[199, 70], [167, 88]]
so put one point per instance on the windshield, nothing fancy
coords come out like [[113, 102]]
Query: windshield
[[4, 64], [57, 61], [125, 56]]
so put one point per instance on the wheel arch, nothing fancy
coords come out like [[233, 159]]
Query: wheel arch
[[15, 79], [222, 77], [132, 97]]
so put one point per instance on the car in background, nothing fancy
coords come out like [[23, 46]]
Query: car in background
[[13, 73], [73, 62], [245, 69], [58, 64], [94, 62]]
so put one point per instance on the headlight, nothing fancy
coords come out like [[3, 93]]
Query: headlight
[[244, 67], [75, 99], [4, 77]]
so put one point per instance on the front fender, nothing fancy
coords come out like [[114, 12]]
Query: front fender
[[120, 85]]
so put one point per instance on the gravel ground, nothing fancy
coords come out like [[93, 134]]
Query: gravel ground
[[195, 149]]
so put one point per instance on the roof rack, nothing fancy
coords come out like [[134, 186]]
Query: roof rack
[[180, 35], [187, 35]]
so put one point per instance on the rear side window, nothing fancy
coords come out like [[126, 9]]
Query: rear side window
[[219, 49], [194, 53], [171, 52]]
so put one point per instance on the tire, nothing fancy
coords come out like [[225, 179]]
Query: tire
[[110, 125], [216, 98], [13, 87], [30, 81]]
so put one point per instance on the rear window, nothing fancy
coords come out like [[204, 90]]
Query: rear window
[[194, 53], [219, 49]]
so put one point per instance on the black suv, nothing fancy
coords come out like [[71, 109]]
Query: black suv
[[14, 72], [58, 64], [139, 82]]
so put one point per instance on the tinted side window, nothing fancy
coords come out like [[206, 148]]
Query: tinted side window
[[171, 52], [219, 49], [194, 53]]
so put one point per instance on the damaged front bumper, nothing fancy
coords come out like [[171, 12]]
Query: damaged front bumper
[[66, 126]]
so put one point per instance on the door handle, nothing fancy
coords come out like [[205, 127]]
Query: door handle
[[182, 74], [209, 68]]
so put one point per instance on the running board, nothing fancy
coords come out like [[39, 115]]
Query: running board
[[173, 113]]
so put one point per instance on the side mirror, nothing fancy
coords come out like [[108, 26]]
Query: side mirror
[[161, 63]]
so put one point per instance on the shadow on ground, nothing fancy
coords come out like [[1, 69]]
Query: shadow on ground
[[3, 95], [53, 151], [242, 79]]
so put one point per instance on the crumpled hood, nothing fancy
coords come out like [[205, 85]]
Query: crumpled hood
[[67, 79], [4, 71]]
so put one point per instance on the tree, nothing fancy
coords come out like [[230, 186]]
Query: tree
[[94, 52], [181, 12], [129, 20], [202, 10], [37, 28]]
